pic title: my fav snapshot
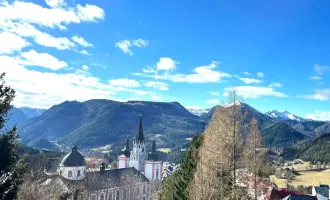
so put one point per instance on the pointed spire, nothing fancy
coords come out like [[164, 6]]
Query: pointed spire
[[154, 146], [139, 135], [126, 151]]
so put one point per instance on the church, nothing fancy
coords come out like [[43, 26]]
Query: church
[[138, 158], [129, 181]]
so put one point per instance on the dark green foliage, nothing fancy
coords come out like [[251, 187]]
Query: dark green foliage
[[281, 135], [177, 185], [102, 122], [11, 167], [313, 150]]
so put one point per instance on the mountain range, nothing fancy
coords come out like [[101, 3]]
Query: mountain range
[[20, 115], [96, 123]]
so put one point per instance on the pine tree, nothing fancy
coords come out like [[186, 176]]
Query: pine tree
[[177, 185], [11, 167]]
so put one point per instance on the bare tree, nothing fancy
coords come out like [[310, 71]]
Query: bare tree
[[254, 151], [220, 155]]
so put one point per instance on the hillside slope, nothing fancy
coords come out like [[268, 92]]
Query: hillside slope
[[314, 150], [281, 135], [101, 122]]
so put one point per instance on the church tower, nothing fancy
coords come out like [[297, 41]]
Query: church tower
[[139, 153]]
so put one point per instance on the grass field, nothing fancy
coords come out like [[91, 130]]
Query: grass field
[[278, 182], [307, 178], [312, 178], [165, 150]]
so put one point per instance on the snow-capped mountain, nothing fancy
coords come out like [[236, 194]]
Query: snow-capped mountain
[[284, 116], [31, 112], [198, 111], [293, 116]]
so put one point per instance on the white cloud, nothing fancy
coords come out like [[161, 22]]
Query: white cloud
[[157, 85], [124, 82], [320, 70], [45, 89], [55, 3], [89, 13], [254, 92], [261, 75], [81, 41], [315, 78], [156, 97], [213, 101], [250, 80], [320, 94], [247, 73], [124, 46], [318, 115], [24, 29], [85, 67], [149, 70], [33, 58], [10, 43], [214, 93], [50, 17], [140, 43], [202, 74], [84, 52], [165, 64], [41, 89], [275, 85]]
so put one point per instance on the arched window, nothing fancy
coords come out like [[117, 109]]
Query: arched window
[[157, 172], [142, 149], [102, 196], [78, 173], [110, 196], [70, 174], [117, 195], [144, 189]]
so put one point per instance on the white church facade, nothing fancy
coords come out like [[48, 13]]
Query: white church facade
[[138, 158]]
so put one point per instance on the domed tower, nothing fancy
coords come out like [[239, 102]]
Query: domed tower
[[139, 152], [73, 166]]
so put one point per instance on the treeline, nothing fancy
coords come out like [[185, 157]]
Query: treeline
[[315, 150]]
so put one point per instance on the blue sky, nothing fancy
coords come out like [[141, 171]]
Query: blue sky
[[276, 53]]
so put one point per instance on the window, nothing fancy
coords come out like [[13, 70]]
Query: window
[[117, 195], [144, 189], [157, 172], [60, 172], [142, 149], [70, 174], [110, 197], [102, 196], [126, 193], [78, 173]]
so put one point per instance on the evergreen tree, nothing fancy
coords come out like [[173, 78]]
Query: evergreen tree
[[177, 185], [11, 167]]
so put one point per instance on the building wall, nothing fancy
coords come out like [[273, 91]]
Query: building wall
[[72, 173], [153, 170], [122, 162], [130, 192], [138, 156]]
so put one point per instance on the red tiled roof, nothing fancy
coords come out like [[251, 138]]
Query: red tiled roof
[[281, 192]]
